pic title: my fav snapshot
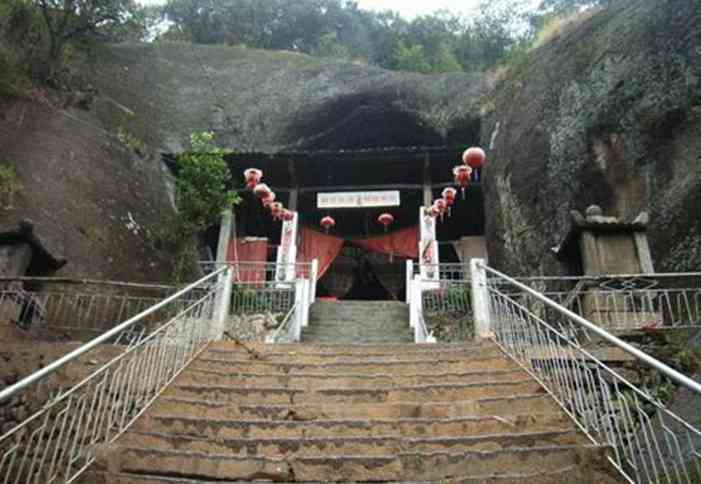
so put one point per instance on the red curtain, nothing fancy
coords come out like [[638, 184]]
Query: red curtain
[[402, 243], [315, 245], [245, 251]]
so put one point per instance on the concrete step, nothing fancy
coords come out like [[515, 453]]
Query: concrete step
[[335, 446], [355, 339], [434, 466], [570, 473], [323, 381], [401, 367], [419, 393], [349, 357], [439, 349], [401, 427], [504, 407]]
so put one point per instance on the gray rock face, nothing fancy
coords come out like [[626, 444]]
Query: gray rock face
[[608, 113], [267, 101]]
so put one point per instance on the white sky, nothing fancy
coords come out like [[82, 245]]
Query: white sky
[[411, 8], [407, 8]]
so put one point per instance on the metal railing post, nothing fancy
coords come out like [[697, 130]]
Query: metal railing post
[[480, 300], [299, 311], [313, 277], [223, 305], [409, 275], [415, 304]]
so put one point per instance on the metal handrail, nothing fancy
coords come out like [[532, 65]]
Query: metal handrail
[[289, 317], [105, 337], [671, 373]]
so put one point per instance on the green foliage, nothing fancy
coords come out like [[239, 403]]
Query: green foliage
[[202, 184], [412, 58], [131, 141], [10, 184]]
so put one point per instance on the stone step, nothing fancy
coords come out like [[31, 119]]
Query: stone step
[[348, 396], [406, 466], [335, 446], [341, 357], [504, 407], [571, 473], [368, 367], [323, 381], [355, 339], [403, 427], [438, 349]]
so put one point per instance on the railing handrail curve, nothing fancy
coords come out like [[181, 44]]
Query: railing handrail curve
[[73, 355], [671, 373]]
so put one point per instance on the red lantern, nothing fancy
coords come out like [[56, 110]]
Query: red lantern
[[462, 177], [276, 209], [327, 222], [261, 190], [268, 199], [449, 195], [431, 211], [252, 176], [474, 157], [386, 219], [441, 207], [288, 215]]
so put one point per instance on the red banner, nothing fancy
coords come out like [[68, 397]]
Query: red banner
[[402, 243], [249, 250], [315, 245]]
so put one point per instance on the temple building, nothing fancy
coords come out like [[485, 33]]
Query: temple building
[[359, 258]]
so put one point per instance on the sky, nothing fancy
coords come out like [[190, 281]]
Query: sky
[[411, 8]]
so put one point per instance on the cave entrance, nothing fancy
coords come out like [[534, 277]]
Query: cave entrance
[[418, 175]]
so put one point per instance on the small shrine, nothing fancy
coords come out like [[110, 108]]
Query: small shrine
[[599, 245]]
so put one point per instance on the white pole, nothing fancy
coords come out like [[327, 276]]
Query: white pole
[[223, 304], [409, 275], [313, 277], [480, 300]]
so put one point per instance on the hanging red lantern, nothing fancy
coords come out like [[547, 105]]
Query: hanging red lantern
[[261, 190], [385, 219], [431, 211], [474, 157], [462, 177], [441, 207], [252, 176], [327, 222], [449, 195], [276, 209], [268, 199], [287, 215]]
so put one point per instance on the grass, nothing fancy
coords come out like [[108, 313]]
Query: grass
[[559, 25]]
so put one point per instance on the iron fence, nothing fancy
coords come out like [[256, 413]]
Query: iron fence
[[628, 302], [647, 441], [60, 439]]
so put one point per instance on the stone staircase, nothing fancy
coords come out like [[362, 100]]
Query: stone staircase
[[358, 322], [359, 413]]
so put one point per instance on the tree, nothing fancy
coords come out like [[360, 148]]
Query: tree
[[68, 19], [202, 184], [412, 58]]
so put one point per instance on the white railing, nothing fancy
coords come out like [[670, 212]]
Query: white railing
[[114, 378], [77, 308], [628, 302], [648, 441], [441, 305], [256, 288]]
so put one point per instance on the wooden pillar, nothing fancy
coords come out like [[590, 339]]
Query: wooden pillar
[[427, 188]]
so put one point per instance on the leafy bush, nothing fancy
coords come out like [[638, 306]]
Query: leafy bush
[[202, 184], [10, 184]]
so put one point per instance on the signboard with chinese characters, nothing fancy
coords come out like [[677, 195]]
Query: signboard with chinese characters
[[358, 199], [287, 252]]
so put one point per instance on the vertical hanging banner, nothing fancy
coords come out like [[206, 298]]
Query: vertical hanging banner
[[428, 247], [287, 253]]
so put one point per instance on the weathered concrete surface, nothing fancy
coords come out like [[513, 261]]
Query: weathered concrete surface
[[608, 113], [269, 101]]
